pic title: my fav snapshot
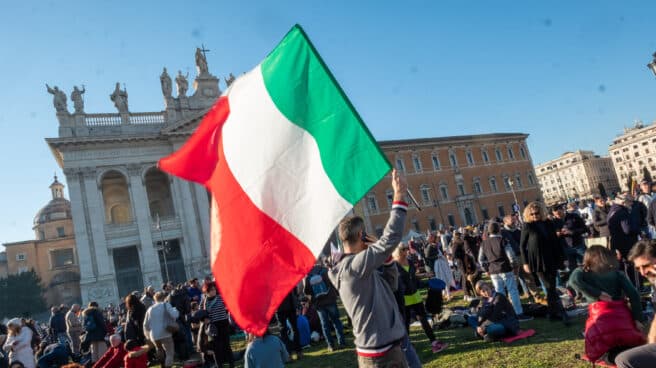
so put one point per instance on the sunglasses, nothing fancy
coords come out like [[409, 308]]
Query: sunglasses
[[404, 248], [535, 213]]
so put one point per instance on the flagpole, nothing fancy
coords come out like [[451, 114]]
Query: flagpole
[[413, 199]]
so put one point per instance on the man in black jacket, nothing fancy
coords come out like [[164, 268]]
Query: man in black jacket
[[600, 217], [500, 260], [570, 229]]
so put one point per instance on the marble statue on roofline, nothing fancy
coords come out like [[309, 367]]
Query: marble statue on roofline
[[78, 101], [58, 99], [120, 99], [230, 79], [182, 84], [165, 79], [201, 62]]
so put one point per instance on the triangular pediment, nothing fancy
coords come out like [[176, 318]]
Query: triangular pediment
[[186, 125]]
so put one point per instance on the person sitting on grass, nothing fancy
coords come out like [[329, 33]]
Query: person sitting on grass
[[137, 355], [267, 351], [496, 317], [611, 327], [113, 358]]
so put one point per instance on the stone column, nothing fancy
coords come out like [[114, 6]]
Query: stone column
[[203, 218], [82, 238], [104, 289], [191, 247], [96, 213], [150, 267]]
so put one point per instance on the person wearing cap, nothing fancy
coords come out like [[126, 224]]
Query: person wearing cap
[[600, 217], [570, 228], [18, 343], [623, 231]]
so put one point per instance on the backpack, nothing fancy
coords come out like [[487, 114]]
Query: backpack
[[319, 287]]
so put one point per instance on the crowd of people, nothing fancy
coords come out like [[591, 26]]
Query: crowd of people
[[598, 252]]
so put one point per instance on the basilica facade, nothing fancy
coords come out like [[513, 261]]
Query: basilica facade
[[134, 225]]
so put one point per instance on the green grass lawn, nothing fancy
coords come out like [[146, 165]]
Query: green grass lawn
[[553, 345]]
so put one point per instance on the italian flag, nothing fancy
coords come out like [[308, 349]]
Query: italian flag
[[285, 156]]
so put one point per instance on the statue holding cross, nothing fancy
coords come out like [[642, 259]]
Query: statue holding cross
[[201, 60]]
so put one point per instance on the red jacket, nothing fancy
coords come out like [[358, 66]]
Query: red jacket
[[113, 358], [136, 358], [610, 324]]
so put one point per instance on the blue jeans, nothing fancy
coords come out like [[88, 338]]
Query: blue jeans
[[507, 281], [495, 330], [410, 352], [574, 255], [328, 314]]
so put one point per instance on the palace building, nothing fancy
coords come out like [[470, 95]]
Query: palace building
[[457, 181]]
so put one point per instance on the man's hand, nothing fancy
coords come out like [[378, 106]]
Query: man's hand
[[527, 268], [400, 186], [480, 330], [604, 296]]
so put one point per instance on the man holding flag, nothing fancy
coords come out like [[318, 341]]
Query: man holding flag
[[368, 298], [280, 146]]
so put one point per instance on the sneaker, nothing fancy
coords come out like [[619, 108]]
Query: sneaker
[[438, 346], [523, 317]]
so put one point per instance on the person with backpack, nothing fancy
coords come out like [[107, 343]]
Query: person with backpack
[[95, 331], [323, 297], [500, 260], [180, 300]]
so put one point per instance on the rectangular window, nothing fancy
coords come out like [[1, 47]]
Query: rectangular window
[[518, 181], [486, 216], [470, 159], [425, 195], [416, 163], [502, 212], [522, 152], [452, 158], [371, 202], [62, 257], [20, 256], [452, 220], [400, 165], [390, 199], [461, 189], [486, 158], [477, 187], [60, 232], [493, 185], [511, 155], [444, 193], [22, 269], [497, 152], [436, 162]]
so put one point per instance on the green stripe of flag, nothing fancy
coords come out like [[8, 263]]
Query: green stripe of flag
[[307, 94]]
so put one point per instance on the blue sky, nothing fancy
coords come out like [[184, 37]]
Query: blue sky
[[571, 74]]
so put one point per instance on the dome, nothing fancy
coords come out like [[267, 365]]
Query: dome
[[56, 209], [59, 208]]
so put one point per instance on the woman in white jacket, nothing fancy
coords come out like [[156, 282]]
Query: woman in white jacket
[[158, 317], [19, 343]]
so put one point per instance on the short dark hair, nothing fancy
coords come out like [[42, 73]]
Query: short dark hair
[[93, 304], [493, 227], [643, 248], [131, 344], [349, 229], [131, 301], [209, 286]]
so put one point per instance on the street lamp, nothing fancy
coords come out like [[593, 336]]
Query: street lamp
[[512, 189], [436, 203], [652, 65], [163, 248]]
